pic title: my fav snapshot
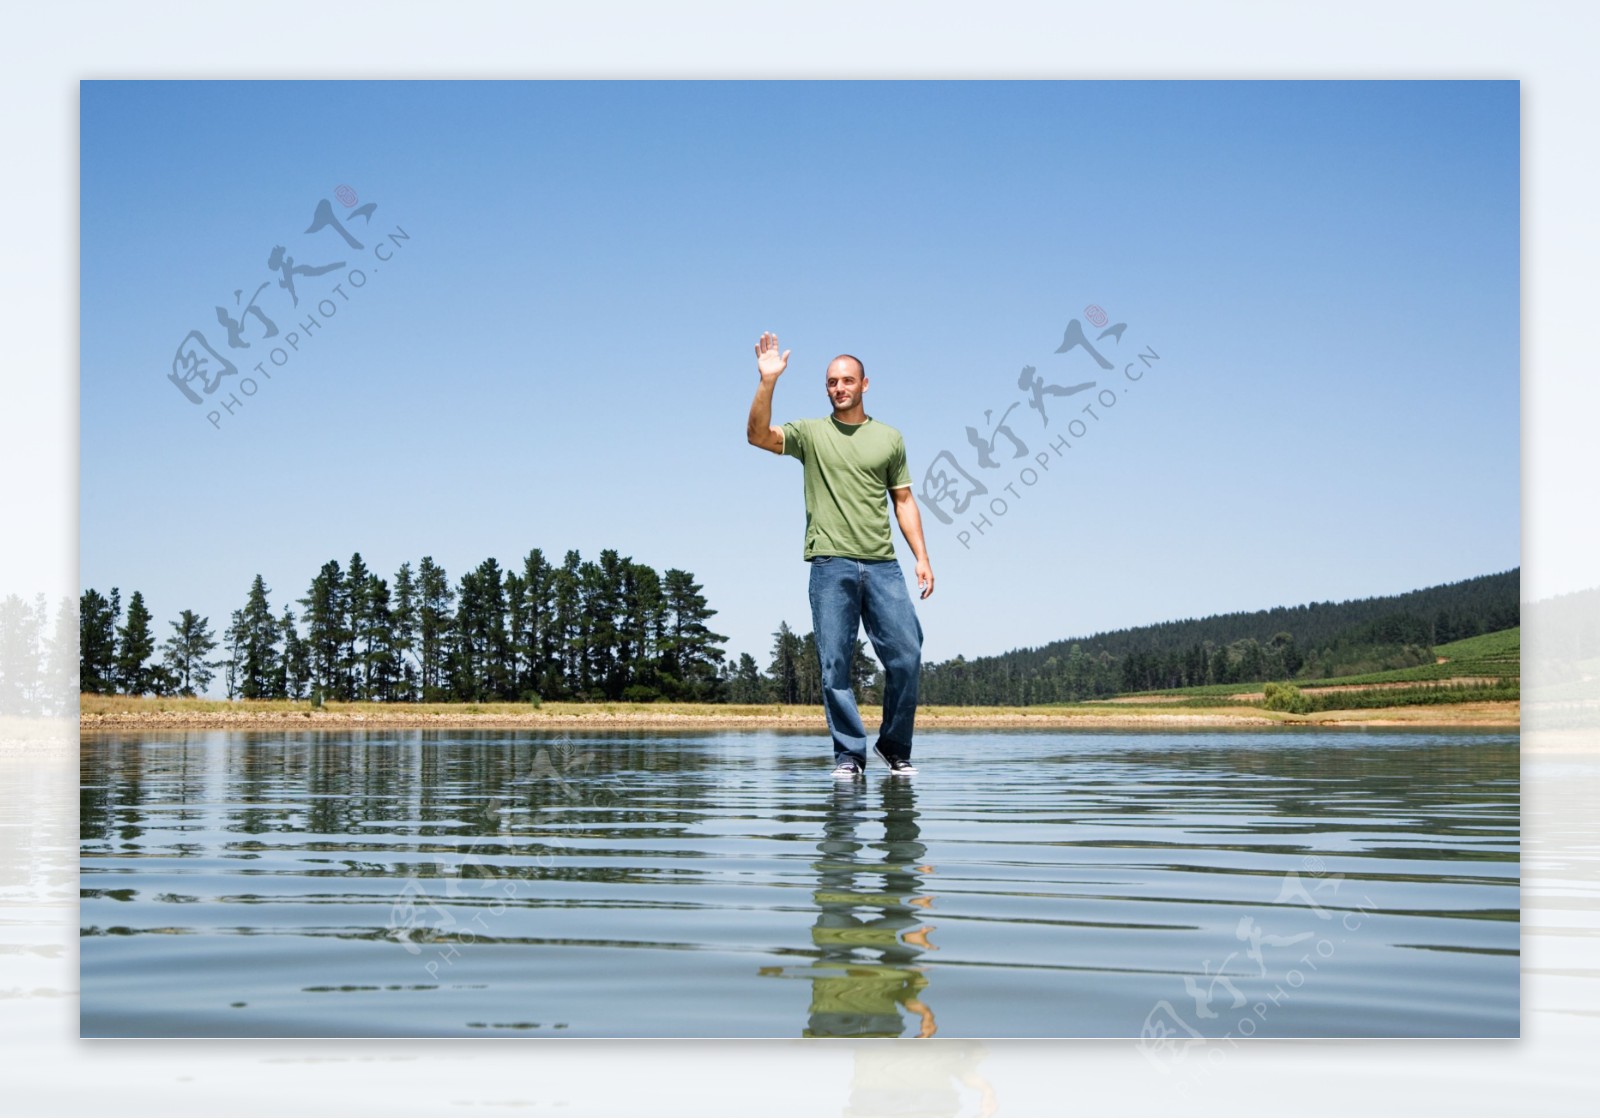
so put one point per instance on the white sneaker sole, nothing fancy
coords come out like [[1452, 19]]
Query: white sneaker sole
[[908, 771]]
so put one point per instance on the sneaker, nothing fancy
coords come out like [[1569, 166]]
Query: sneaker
[[898, 767], [848, 769]]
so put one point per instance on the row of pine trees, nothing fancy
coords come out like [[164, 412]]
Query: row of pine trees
[[612, 630], [38, 657]]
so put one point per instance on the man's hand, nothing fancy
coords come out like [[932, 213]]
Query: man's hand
[[924, 578], [759, 430], [768, 360]]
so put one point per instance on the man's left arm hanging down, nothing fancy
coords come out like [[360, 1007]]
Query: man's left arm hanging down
[[910, 519]]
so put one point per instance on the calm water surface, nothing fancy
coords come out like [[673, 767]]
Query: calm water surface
[[465, 883]]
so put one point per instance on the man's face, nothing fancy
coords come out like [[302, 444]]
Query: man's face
[[845, 385]]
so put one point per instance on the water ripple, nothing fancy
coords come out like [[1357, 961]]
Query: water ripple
[[443, 883]]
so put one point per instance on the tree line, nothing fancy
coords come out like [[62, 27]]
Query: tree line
[[38, 657], [612, 630]]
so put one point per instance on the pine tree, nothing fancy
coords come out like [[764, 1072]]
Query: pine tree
[[603, 607], [433, 629], [568, 630], [21, 630], [296, 658], [696, 650], [863, 670], [405, 633], [644, 619], [517, 633], [233, 664], [784, 669], [543, 643], [97, 641], [497, 653], [185, 652], [163, 680], [380, 660], [592, 653], [808, 670], [134, 648], [462, 671], [356, 629], [872, 690], [480, 664], [62, 664], [747, 685], [261, 673], [325, 613]]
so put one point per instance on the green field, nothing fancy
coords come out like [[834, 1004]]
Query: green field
[[1502, 690]]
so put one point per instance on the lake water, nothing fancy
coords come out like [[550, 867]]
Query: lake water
[[1181, 888]]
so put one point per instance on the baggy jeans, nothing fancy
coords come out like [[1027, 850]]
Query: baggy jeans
[[845, 594]]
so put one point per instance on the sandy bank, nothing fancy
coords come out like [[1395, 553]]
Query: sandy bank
[[131, 716]]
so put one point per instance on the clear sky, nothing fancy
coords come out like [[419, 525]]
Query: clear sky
[[560, 353]]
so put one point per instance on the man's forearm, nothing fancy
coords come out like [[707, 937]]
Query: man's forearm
[[761, 409], [910, 519]]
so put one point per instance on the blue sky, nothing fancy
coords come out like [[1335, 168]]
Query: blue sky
[[561, 354]]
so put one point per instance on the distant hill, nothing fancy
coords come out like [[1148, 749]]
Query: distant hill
[[1564, 660], [1318, 639], [1568, 625]]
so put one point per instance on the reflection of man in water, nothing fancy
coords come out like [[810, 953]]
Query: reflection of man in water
[[870, 928]]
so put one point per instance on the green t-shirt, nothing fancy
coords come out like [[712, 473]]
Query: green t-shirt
[[849, 470]]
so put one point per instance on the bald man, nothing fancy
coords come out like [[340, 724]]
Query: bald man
[[852, 463]]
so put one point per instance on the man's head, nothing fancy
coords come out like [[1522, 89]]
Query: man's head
[[846, 380]]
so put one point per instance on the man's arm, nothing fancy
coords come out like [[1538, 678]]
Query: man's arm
[[771, 365], [910, 518], [760, 431]]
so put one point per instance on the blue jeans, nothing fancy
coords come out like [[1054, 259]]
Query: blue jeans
[[845, 594]]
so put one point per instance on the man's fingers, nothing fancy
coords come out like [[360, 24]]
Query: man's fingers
[[786, 355]]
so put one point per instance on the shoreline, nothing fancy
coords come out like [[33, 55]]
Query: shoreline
[[215, 715]]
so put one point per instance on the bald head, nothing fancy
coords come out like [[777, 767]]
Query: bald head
[[849, 359]]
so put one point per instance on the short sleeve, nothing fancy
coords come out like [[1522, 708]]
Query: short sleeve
[[899, 471], [794, 441]]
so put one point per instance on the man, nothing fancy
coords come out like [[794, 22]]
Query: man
[[851, 461]]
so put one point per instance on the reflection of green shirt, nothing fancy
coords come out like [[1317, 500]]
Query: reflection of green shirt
[[849, 469], [863, 1001]]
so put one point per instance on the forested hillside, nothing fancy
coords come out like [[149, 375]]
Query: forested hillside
[[1308, 642]]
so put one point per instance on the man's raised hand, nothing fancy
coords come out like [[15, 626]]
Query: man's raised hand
[[768, 360]]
